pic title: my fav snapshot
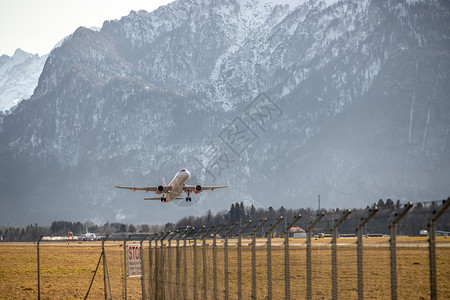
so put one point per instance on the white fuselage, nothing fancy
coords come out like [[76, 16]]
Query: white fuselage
[[178, 182]]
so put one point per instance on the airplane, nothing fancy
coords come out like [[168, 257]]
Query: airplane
[[175, 188], [89, 236]]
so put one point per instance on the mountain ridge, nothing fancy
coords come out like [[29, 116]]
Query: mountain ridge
[[155, 92]]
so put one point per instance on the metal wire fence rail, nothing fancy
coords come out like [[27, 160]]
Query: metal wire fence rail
[[254, 264], [247, 267]]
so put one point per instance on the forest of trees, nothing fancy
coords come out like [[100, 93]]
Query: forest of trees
[[416, 220]]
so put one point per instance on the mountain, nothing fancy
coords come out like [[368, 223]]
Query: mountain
[[19, 76], [346, 99]]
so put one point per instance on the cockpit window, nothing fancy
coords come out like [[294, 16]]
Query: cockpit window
[[183, 170]]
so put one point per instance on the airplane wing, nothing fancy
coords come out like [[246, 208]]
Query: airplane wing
[[145, 188], [159, 198], [205, 188], [135, 188]]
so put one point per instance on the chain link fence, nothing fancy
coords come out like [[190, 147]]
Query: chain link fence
[[245, 262]]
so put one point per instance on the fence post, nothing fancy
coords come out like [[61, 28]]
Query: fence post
[[162, 275], [215, 260], [105, 268], [205, 296], [287, 273], [125, 265], [39, 267], [225, 258], [393, 242], [254, 257], [240, 259], [144, 296], [150, 266], [178, 265], [143, 268], [195, 262], [169, 261], [269, 258], [360, 252], [308, 256], [157, 266], [432, 249], [334, 266], [185, 264]]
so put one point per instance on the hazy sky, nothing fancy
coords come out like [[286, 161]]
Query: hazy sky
[[37, 25]]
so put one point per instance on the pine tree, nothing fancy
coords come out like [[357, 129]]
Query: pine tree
[[252, 212]]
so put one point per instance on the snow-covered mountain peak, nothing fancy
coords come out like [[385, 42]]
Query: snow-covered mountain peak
[[20, 54], [19, 76]]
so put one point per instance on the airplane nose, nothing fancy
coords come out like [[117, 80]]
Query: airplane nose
[[188, 173]]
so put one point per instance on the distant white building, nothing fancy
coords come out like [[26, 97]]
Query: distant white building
[[297, 232]]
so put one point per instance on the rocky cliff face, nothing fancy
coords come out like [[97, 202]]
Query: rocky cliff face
[[343, 99]]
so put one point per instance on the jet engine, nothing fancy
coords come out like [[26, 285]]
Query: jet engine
[[159, 190], [198, 189]]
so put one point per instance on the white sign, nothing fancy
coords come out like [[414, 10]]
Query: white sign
[[134, 260]]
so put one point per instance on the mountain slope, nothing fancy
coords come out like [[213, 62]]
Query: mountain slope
[[353, 108]]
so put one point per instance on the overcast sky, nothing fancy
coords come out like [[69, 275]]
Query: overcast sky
[[37, 25]]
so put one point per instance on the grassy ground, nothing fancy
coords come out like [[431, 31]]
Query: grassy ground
[[66, 271]]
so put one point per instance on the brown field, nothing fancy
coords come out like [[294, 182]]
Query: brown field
[[66, 271]]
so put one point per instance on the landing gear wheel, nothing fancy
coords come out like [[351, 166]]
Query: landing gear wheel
[[188, 198]]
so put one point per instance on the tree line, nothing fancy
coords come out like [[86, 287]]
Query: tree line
[[415, 221], [62, 228]]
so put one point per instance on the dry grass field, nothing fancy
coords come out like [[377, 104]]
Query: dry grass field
[[66, 271]]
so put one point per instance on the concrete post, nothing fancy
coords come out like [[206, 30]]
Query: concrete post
[[393, 242], [359, 230], [185, 264], [254, 257], [432, 249], [178, 265], [205, 277], [196, 263], [269, 258], [144, 296], [240, 259], [169, 261], [39, 267], [287, 272], [150, 266], [215, 293], [125, 265], [162, 272], [334, 274], [225, 257], [308, 256]]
